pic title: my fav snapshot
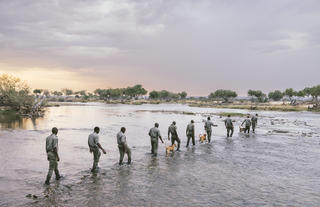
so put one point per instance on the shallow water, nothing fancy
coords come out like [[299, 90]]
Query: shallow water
[[277, 166]]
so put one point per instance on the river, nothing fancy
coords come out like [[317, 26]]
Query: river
[[277, 166]]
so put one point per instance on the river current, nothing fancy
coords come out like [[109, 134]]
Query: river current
[[279, 165]]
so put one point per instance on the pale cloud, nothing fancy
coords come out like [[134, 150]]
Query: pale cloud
[[198, 46]]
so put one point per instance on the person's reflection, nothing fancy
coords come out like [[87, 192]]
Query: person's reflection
[[208, 148], [52, 195], [153, 163], [229, 144], [94, 190], [122, 180]]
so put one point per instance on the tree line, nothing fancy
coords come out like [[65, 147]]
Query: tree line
[[116, 93], [277, 95], [16, 94]]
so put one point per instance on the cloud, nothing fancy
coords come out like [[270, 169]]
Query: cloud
[[198, 45]]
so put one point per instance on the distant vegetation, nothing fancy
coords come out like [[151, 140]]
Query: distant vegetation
[[15, 96], [225, 95], [121, 93], [167, 95], [259, 95]]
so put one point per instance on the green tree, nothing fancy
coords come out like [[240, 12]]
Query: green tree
[[315, 93], [275, 95], [67, 91], [290, 93], [223, 94], [132, 91], [307, 91], [301, 93], [82, 93], [57, 93], [261, 97], [154, 95], [37, 91], [14, 93], [183, 95], [164, 94]]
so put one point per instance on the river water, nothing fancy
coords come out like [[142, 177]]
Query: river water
[[277, 166]]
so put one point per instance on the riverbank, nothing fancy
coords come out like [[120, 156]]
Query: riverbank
[[247, 105]]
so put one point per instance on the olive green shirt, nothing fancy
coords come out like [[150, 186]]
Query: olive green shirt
[[190, 129], [121, 138], [93, 140], [172, 130], [228, 122], [51, 143], [247, 122], [208, 125], [154, 133], [254, 120]]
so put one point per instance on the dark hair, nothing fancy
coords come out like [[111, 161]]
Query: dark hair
[[192, 121], [54, 130], [228, 115], [256, 114], [96, 129], [174, 123], [209, 118], [123, 129], [156, 125]]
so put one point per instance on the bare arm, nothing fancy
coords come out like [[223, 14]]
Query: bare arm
[[161, 139], [99, 145]]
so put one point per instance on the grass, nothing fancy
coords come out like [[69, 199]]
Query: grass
[[168, 111], [262, 107], [231, 114]]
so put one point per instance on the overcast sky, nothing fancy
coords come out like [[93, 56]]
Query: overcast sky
[[193, 45]]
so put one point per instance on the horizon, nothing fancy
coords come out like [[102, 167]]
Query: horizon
[[197, 47]]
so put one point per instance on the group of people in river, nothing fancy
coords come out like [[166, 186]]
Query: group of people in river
[[154, 133]]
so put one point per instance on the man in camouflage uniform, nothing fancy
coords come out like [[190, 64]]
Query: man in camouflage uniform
[[174, 134], [94, 146], [52, 155], [247, 122], [229, 125], [254, 122], [155, 135], [208, 127], [123, 147], [190, 133]]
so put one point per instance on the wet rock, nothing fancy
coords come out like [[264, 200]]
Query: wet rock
[[280, 131], [31, 196]]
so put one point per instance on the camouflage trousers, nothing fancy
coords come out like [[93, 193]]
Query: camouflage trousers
[[53, 165], [96, 157], [124, 149]]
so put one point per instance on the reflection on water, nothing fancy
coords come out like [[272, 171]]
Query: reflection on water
[[14, 121], [270, 168]]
